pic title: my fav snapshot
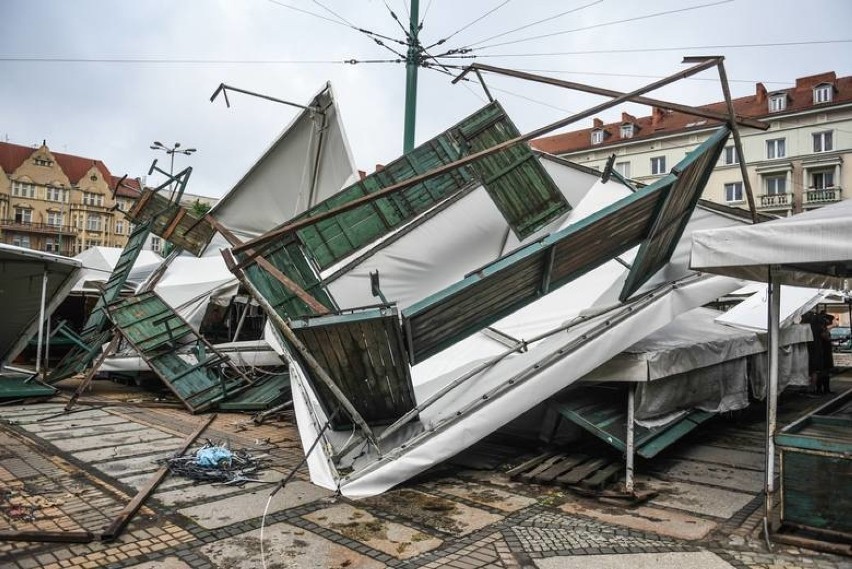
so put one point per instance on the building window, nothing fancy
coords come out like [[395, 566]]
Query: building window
[[823, 141], [627, 130], [623, 168], [93, 243], [91, 198], [93, 222], [777, 102], [776, 148], [734, 192], [119, 227], [23, 190], [55, 194], [156, 244], [21, 241], [823, 179], [54, 218], [823, 93], [731, 155], [658, 165], [776, 185], [597, 136], [42, 162], [23, 215], [51, 245]]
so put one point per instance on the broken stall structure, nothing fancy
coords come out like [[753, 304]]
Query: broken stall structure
[[812, 249], [33, 285], [431, 303]]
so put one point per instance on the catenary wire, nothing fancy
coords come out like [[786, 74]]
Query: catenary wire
[[466, 26]]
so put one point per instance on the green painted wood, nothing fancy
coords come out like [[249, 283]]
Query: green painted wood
[[603, 413], [691, 175], [16, 386], [156, 332], [94, 333], [514, 281], [363, 354], [289, 259], [518, 184], [816, 490], [265, 393], [192, 233]]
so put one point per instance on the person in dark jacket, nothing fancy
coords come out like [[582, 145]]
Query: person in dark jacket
[[816, 358], [826, 323]]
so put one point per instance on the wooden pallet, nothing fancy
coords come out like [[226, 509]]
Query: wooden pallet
[[569, 469]]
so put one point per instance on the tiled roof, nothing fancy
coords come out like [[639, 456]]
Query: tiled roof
[[660, 122], [129, 188], [75, 167]]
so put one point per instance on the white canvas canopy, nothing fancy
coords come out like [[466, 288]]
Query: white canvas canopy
[[32, 285], [810, 249], [99, 262]]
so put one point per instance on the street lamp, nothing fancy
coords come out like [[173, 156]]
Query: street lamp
[[176, 149]]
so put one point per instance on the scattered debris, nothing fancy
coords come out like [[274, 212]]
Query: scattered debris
[[217, 463]]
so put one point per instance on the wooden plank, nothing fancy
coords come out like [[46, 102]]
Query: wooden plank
[[582, 471], [528, 464], [528, 476], [124, 517], [561, 467], [603, 476]]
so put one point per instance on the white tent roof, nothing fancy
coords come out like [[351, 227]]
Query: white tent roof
[[812, 249], [21, 274], [99, 262]]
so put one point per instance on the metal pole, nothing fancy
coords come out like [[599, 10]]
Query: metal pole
[[47, 344], [773, 325], [412, 63], [41, 319], [631, 401]]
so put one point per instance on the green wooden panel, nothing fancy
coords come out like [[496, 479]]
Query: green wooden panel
[[156, 332], [816, 490], [518, 184], [290, 260], [520, 278], [363, 353], [691, 175], [191, 233], [266, 392], [603, 413], [94, 332], [16, 386]]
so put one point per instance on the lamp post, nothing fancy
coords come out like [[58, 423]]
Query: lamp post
[[175, 149]]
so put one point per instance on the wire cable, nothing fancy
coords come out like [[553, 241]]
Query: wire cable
[[601, 25], [544, 20], [144, 60], [463, 28], [396, 19], [425, 12]]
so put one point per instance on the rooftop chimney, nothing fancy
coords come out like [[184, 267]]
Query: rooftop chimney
[[760, 93], [657, 116], [598, 123]]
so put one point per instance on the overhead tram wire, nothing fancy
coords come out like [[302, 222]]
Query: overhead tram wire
[[446, 70], [638, 76], [477, 46], [425, 12], [466, 26], [648, 49], [144, 60], [396, 19], [542, 21]]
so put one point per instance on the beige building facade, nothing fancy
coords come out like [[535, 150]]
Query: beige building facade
[[795, 165], [60, 203]]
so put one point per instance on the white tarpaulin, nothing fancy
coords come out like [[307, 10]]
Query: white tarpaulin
[[24, 274], [309, 162], [810, 248], [750, 314], [99, 263]]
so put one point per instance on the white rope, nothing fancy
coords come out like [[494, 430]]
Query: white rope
[[262, 524]]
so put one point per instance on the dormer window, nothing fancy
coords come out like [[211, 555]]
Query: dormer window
[[777, 102], [627, 130], [597, 136], [823, 93], [42, 162]]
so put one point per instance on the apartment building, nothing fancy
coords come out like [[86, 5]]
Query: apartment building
[[797, 164], [60, 203]]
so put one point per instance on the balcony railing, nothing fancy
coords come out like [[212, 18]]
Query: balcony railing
[[775, 201], [822, 196], [29, 227]]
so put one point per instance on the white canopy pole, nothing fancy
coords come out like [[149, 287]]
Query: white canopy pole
[[773, 325], [41, 319]]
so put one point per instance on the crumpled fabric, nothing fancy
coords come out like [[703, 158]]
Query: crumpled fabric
[[212, 457]]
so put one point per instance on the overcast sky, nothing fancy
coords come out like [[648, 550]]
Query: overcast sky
[[104, 79]]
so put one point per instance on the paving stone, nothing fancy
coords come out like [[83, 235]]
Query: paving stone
[[395, 539], [699, 560], [647, 519], [112, 453], [234, 509], [285, 547], [696, 498], [720, 455], [486, 495], [119, 439]]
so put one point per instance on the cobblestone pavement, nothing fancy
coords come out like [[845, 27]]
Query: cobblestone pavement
[[76, 471]]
